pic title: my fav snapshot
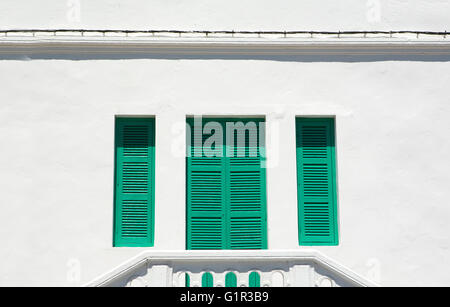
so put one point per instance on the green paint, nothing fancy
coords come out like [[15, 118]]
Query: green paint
[[134, 182], [316, 181], [187, 280], [226, 194], [254, 280], [207, 280], [230, 280]]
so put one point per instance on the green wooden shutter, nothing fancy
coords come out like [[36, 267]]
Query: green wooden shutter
[[254, 280], [246, 188], [230, 280], [187, 280], [205, 196], [134, 182], [226, 196], [316, 180], [207, 280]]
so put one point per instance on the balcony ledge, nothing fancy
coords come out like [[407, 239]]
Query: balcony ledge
[[276, 268]]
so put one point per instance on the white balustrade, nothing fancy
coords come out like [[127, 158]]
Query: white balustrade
[[306, 268]]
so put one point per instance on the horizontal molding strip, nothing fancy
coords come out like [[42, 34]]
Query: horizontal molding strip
[[223, 32], [222, 43]]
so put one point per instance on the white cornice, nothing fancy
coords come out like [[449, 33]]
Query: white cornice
[[361, 44]]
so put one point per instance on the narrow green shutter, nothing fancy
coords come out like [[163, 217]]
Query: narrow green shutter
[[207, 280], [226, 195], [205, 195], [317, 208], [230, 280], [187, 280], [134, 182], [246, 188], [254, 280]]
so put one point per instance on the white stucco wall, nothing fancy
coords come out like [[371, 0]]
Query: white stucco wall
[[282, 15], [56, 159], [57, 136]]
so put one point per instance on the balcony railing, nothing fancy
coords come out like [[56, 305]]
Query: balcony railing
[[304, 268]]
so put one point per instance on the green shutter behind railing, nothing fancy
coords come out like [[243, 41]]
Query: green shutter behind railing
[[207, 280], [316, 180], [134, 182], [226, 196], [230, 280], [187, 281], [254, 280]]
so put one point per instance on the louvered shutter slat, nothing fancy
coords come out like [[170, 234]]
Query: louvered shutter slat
[[316, 182], [134, 203]]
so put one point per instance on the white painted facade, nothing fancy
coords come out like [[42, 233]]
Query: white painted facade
[[57, 112]]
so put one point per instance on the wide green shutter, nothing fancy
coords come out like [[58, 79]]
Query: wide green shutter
[[226, 195], [316, 180], [134, 182]]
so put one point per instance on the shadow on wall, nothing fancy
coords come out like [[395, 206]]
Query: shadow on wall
[[335, 53]]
